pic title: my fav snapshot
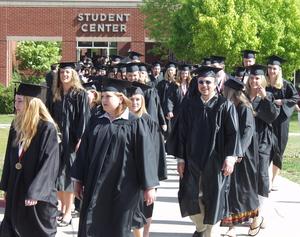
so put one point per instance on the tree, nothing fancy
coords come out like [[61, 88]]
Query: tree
[[199, 28], [37, 56]]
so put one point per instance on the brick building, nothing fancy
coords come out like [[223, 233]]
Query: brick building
[[95, 27]]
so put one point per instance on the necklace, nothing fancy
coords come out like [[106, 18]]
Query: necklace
[[18, 165]]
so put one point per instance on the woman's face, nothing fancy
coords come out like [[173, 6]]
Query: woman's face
[[172, 71], [91, 96], [65, 75], [255, 81], [273, 70], [184, 75], [110, 101], [136, 103], [19, 103]]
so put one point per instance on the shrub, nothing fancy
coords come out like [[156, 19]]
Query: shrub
[[7, 99]]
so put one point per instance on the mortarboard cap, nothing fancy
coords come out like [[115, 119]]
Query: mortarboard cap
[[32, 90], [132, 67], [115, 85], [275, 60], [101, 67], [134, 55], [112, 69], [206, 62], [92, 85], [257, 69], [249, 53], [144, 87], [67, 65], [239, 71], [217, 59], [234, 83], [170, 64], [206, 71], [134, 90], [185, 67], [156, 64], [122, 67], [116, 58], [143, 67]]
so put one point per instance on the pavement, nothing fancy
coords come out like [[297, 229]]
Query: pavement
[[282, 218]]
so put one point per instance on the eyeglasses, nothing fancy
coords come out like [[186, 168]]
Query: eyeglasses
[[202, 82]]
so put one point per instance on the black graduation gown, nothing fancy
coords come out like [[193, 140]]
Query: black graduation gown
[[71, 114], [162, 88], [289, 96], [36, 180], [114, 162], [243, 186], [266, 112], [207, 134], [154, 81], [153, 106]]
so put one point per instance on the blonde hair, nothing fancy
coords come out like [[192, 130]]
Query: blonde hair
[[179, 80], [168, 76], [237, 97], [278, 81], [26, 122], [143, 109], [264, 83], [126, 103], [75, 84], [97, 98]]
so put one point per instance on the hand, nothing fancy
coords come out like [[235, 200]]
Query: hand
[[149, 196], [261, 92], [228, 167], [164, 127], [170, 115], [278, 102], [78, 190], [30, 202], [77, 145], [239, 159], [180, 169]]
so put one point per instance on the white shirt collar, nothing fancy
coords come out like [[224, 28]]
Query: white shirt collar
[[124, 115], [206, 101]]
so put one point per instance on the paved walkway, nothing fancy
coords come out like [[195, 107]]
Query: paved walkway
[[282, 218]]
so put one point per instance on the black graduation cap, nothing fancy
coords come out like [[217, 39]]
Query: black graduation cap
[[122, 67], [112, 69], [171, 64], [134, 90], [247, 53], [101, 67], [32, 90], [134, 55], [92, 85], [234, 83], [184, 67], [115, 85], [239, 71], [257, 69], [67, 65], [132, 67], [206, 61], [144, 87], [206, 71], [217, 59], [143, 67], [275, 60], [156, 64], [116, 58]]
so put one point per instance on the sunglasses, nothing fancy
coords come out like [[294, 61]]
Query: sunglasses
[[202, 82]]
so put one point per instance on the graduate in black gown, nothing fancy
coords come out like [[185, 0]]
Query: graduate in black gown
[[30, 168], [156, 75], [286, 97], [71, 112], [138, 107], [243, 197], [208, 147], [114, 162], [266, 111]]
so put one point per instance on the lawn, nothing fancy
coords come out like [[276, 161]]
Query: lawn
[[6, 118]]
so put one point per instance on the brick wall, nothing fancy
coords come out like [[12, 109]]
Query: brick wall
[[62, 22]]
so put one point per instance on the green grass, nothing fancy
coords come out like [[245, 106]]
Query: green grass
[[3, 142], [6, 118]]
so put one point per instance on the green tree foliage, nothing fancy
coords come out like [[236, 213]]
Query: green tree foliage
[[194, 29], [38, 56]]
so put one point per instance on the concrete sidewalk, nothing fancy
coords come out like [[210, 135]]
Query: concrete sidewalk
[[282, 218]]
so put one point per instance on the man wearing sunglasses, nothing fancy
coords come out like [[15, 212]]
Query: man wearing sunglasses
[[207, 149]]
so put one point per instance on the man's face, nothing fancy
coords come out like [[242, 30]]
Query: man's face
[[248, 62], [206, 86], [156, 70]]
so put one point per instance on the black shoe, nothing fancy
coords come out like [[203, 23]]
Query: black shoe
[[64, 223], [198, 234]]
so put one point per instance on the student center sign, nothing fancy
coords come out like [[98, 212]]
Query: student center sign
[[93, 27]]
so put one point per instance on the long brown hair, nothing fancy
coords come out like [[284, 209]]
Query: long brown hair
[[26, 122], [75, 84]]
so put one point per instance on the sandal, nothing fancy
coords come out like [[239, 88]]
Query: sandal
[[64, 223], [254, 231], [59, 216], [230, 233]]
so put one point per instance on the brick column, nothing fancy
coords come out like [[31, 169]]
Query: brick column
[[3, 47], [68, 51]]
